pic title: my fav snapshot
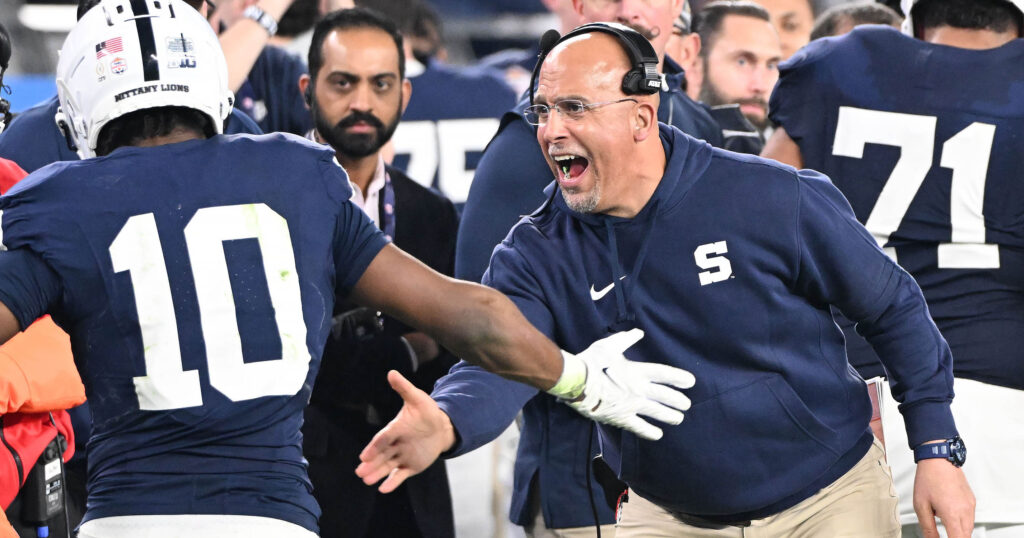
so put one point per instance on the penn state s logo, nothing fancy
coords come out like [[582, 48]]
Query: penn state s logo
[[710, 257]]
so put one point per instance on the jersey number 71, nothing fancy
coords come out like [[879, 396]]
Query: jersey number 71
[[966, 153]]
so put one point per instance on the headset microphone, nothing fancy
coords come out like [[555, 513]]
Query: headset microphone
[[548, 40]]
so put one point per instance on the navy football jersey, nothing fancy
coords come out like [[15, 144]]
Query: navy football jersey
[[452, 114], [927, 143], [196, 281]]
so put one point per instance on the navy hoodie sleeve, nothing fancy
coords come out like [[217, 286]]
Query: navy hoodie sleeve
[[480, 404], [841, 264]]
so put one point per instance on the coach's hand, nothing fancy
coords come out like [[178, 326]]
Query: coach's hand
[[941, 489], [409, 443], [618, 391]]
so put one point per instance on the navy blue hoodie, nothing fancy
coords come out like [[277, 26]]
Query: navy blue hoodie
[[730, 269]]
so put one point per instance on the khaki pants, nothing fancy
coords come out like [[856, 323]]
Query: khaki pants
[[990, 530], [538, 528], [861, 503], [535, 531]]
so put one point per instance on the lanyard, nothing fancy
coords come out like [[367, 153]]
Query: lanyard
[[387, 213]]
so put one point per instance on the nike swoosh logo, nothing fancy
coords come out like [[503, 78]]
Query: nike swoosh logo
[[597, 295]]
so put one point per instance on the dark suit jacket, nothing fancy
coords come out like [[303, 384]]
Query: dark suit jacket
[[352, 400]]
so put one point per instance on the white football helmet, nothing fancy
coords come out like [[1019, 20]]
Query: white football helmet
[[127, 55], [908, 24]]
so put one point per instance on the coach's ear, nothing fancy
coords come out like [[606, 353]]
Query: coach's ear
[[645, 119]]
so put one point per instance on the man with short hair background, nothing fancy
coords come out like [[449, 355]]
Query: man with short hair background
[[740, 55], [357, 91], [840, 20], [793, 20]]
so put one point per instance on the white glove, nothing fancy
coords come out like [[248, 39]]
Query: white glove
[[617, 391]]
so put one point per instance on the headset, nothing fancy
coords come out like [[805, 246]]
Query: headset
[[642, 79], [5, 58]]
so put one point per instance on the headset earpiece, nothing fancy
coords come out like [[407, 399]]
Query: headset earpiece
[[642, 79], [307, 95]]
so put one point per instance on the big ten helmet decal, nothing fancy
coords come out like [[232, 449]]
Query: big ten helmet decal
[[642, 78], [128, 55], [908, 23]]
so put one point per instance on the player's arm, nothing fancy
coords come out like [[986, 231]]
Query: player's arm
[[244, 40], [8, 324], [782, 148], [487, 329], [477, 323], [472, 406]]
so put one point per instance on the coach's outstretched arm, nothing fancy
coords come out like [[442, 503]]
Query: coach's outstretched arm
[[485, 328]]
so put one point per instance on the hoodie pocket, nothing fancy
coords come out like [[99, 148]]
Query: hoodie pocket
[[739, 451]]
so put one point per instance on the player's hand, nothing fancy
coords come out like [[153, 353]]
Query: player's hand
[[941, 489], [408, 444], [618, 391]]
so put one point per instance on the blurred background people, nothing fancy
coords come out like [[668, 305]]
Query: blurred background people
[[454, 110], [517, 64], [740, 54], [261, 74], [841, 19], [793, 20]]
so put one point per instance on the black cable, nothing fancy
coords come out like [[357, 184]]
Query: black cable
[[67, 518], [64, 482], [590, 489]]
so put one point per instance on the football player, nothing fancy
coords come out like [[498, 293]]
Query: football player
[[922, 132], [33, 141], [451, 115], [196, 275]]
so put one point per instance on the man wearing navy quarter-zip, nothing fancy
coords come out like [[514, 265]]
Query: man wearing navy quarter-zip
[[729, 263]]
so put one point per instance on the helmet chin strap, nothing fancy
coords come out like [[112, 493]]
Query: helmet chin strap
[[65, 129], [5, 109]]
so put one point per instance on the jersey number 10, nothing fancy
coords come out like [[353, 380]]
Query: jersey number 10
[[167, 385], [966, 153]]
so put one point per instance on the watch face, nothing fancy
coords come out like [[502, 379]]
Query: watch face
[[957, 451]]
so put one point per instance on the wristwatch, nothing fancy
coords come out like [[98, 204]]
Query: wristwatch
[[952, 450], [262, 18]]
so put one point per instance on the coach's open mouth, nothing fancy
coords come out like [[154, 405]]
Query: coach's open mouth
[[571, 166]]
